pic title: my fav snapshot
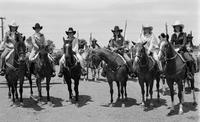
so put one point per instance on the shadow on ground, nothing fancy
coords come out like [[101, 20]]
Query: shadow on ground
[[83, 100], [119, 103]]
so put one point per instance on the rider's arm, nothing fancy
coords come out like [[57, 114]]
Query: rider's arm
[[184, 40], [172, 41], [34, 42], [75, 45]]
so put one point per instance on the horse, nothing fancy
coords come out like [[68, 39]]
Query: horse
[[95, 68], [41, 70], [147, 71], [175, 70], [71, 70], [116, 70], [16, 69]]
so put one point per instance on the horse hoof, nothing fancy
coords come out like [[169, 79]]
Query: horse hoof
[[171, 112], [151, 104], [49, 103], [21, 104], [180, 112], [111, 105], [142, 104], [194, 103]]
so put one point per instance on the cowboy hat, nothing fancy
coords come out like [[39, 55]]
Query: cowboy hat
[[70, 30], [116, 28], [147, 27], [13, 24], [94, 40], [37, 25], [189, 36], [178, 23]]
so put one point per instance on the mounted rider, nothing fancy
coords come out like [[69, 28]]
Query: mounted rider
[[36, 41], [116, 44], [94, 44], [179, 40], [8, 44], [152, 44], [75, 48]]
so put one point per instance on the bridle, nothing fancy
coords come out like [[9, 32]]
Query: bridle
[[168, 59], [139, 57]]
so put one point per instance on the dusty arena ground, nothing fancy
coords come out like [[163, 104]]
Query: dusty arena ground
[[93, 105]]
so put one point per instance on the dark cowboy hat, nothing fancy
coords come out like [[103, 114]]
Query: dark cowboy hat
[[37, 25], [116, 28], [94, 40], [82, 42], [189, 36], [70, 30]]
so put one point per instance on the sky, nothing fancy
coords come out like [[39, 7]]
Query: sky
[[100, 16]]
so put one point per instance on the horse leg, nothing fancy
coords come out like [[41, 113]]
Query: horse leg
[[151, 92], [111, 90], [15, 88], [163, 86], [122, 90], [180, 96], [143, 92], [171, 87], [38, 81], [13, 93], [147, 90], [118, 88], [125, 84], [76, 83], [157, 86], [48, 87], [9, 92], [69, 82], [193, 91], [30, 83], [21, 89]]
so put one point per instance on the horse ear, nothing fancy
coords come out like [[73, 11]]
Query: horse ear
[[133, 43], [64, 39], [24, 38], [144, 43]]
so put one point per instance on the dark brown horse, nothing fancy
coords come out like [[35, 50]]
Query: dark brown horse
[[175, 70], [116, 70], [71, 70], [41, 69], [147, 71], [16, 69]]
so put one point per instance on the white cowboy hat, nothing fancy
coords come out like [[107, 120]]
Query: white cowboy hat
[[178, 23], [13, 24], [147, 26]]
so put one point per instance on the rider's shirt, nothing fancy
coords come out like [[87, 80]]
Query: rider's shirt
[[38, 40], [94, 46], [116, 42], [74, 42], [10, 39], [179, 39], [152, 42]]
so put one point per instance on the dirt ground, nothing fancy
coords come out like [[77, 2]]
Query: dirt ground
[[93, 105]]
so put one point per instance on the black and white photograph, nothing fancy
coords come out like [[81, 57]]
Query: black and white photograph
[[99, 60]]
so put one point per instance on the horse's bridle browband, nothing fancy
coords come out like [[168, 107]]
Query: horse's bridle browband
[[168, 59]]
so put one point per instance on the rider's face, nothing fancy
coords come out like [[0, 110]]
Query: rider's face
[[116, 33], [13, 29], [147, 30], [70, 35], [177, 28], [37, 30]]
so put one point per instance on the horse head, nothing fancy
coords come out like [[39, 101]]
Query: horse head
[[91, 57], [141, 55], [20, 49], [166, 51], [43, 54]]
